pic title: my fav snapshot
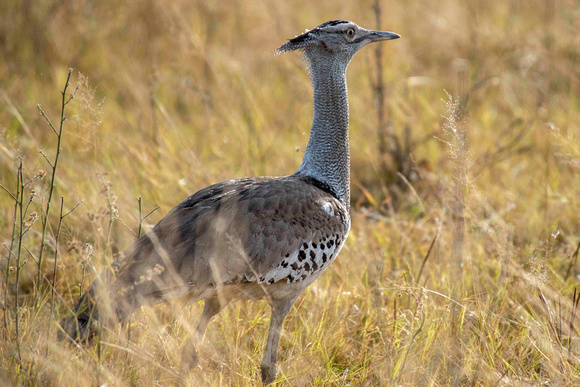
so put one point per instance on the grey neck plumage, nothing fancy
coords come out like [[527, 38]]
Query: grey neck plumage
[[327, 156]]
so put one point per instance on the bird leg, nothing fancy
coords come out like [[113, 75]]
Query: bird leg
[[280, 309], [189, 358], [211, 307]]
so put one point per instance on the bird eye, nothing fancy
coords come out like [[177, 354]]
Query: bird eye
[[350, 32]]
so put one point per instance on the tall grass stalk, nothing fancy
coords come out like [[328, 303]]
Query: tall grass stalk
[[7, 276], [18, 265], [141, 217], [51, 188], [55, 265], [455, 130], [379, 94]]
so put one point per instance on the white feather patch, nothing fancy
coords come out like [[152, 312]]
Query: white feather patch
[[327, 207]]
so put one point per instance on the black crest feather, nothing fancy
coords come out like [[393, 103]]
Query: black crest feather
[[306, 38], [332, 23]]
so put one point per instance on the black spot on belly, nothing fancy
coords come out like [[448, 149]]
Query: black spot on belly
[[301, 255], [304, 276], [284, 264], [307, 266], [314, 266], [271, 281], [312, 254], [305, 245], [294, 266], [324, 258], [290, 278]]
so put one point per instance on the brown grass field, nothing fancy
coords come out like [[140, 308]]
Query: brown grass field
[[477, 155]]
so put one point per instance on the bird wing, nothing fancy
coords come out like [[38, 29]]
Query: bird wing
[[247, 230]]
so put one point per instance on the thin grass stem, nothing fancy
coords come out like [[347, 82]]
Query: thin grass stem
[[18, 265], [7, 276], [54, 166]]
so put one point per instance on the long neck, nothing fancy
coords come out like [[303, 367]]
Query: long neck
[[327, 156]]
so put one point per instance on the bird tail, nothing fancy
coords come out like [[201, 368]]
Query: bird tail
[[83, 325], [137, 278]]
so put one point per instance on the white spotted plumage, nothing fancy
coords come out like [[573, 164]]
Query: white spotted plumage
[[312, 258]]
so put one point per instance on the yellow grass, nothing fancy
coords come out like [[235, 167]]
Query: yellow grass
[[176, 95]]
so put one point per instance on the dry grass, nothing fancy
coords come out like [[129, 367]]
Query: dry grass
[[176, 95]]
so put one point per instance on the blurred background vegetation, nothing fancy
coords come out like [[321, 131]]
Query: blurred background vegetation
[[462, 260]]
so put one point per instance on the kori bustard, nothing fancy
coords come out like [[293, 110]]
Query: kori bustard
[[252, 238]]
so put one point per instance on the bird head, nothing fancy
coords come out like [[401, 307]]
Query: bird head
[[336, 39]]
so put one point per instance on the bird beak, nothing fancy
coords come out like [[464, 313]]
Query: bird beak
[[377, 36]]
